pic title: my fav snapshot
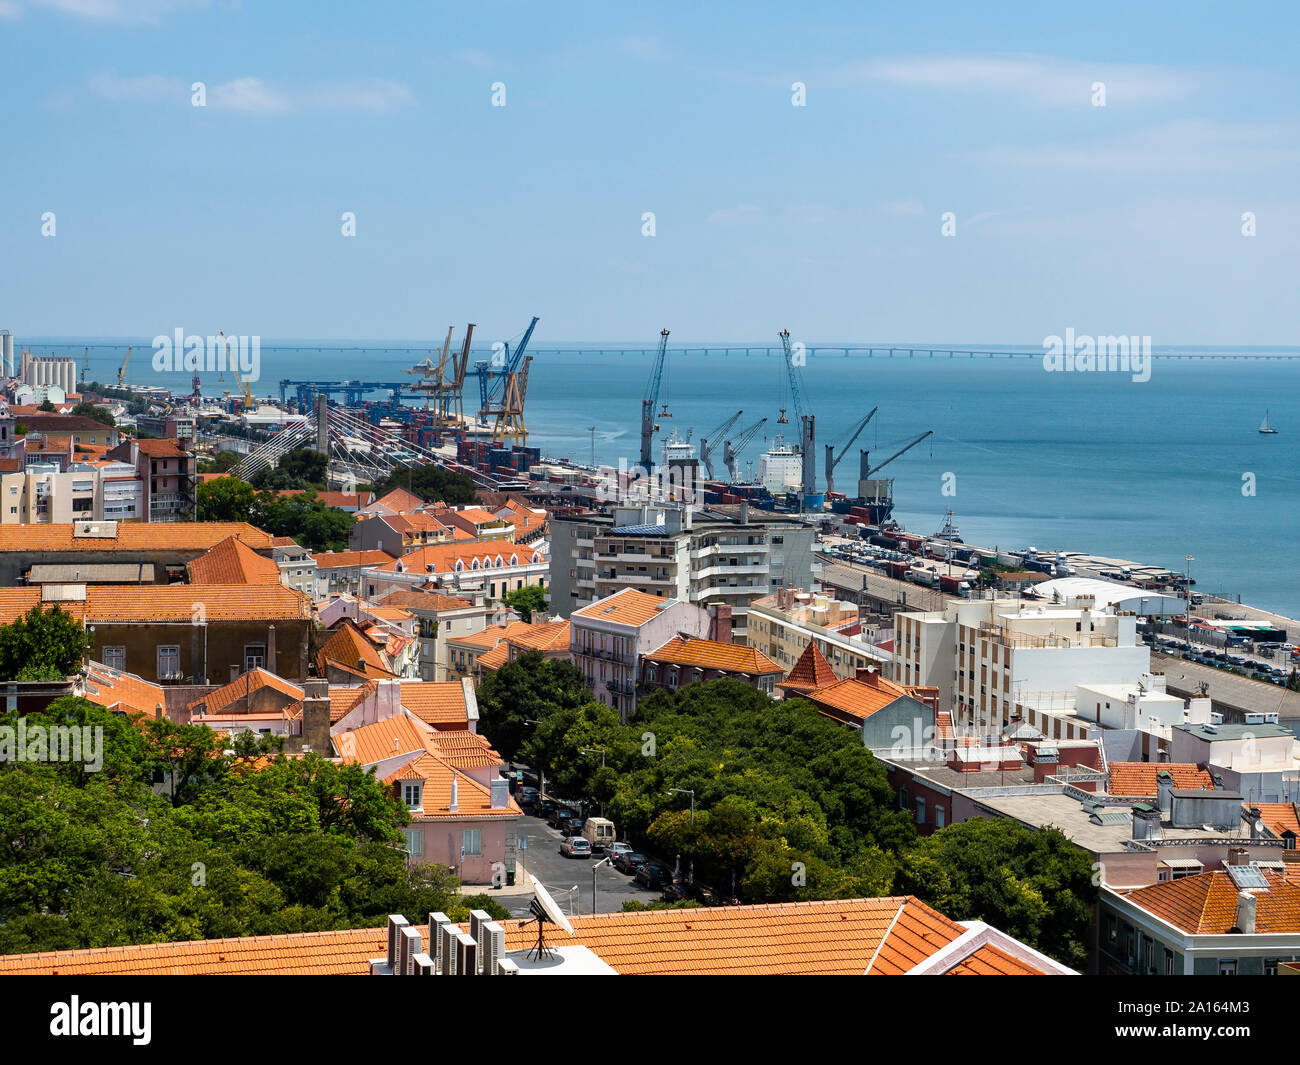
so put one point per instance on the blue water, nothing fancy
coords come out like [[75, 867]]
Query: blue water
[[1096, 462]]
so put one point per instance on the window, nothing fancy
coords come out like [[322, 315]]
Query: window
[[115, 657], [254, 656], [938, 817], [1270, 966], [920, 811], [471, 841], [414, 842], [169, 661], [1227, 966], [411, 795], [1169, 962]]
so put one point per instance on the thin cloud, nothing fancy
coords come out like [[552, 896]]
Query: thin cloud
[[121, 11], [903, 208], [255, 96], [1033, 78]]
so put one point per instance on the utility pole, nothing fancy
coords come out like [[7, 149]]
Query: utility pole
[[592, 430]]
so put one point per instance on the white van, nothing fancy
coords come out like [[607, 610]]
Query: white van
[[599, 832]]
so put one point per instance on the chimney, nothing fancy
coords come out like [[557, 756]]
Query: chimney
[[1246, 913], [316, 715], [1165, 790], [234, 671], [454, 805], [500, 793], [720, 622], [1237, 856], [1146, 822], [270, 651], [1255, 816], [744, 512], [389, 699]]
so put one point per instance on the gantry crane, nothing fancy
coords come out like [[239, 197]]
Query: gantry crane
[[707, 449], [807, 423], [509, 423], [731, 451], [651, 400], [492, 383], [832, 460]]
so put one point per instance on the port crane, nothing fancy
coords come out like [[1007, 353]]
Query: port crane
[[707, 449], [865, 467], [510, 415], [121, 370], [731, 451], [807, 423], [832, 460], [85, 365], [651, 400]]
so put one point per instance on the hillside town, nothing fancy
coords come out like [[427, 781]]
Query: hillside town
[[712, 708]]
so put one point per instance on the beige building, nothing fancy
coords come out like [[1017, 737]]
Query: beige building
[[40, 494], [783, 624]]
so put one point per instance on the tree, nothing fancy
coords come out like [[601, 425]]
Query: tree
[[226, 499], [46, 406], [529, 688], [1034, 885], [304, 517], [526, 600], [431, 483], [42, 645], [94, 410]]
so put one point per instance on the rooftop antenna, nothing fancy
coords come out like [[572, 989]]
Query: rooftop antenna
[[543, 907]]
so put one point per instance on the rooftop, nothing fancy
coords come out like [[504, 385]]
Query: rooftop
[[1206, 903], [698, 653], [233, 562], [625, 607]]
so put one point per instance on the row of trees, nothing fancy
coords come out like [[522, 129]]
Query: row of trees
[[787, 801], [304, 517], [242, 841]]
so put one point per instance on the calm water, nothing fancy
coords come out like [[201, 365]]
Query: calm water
[[1090, 462]]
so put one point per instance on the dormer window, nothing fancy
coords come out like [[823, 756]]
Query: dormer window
[[413, 795]]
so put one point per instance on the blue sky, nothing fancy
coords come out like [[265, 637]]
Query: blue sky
[[825, 219]]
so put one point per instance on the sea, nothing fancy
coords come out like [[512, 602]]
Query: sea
[[1150, 471]]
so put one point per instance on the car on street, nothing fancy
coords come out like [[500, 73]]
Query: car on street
[[559, 816], [528, 796], [573, 827], [544, 808], [628, 861], [615, 849], [575, 847], [653, 875]]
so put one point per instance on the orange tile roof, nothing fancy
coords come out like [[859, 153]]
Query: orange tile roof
[[853, 697], [839, 936], [545, 637], [233, 562], [385, 739], [338, 559], [491, 636], [241, 687], [464, 750], [398, 499], [1206, 904], [197, 536], [440, 703], [443, 557], [494, 659], [992, 961], [110, 688], [107, 604], [344, 700], [473, 800], [417, 600], [812, 671], [711, 654], [626, 607], [349, 650], [1279, 817], [1139, 778]]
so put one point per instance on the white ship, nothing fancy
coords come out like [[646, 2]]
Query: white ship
[[677, 450], [780, 468]]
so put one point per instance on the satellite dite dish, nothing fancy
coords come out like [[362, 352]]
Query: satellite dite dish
[[544, 908]]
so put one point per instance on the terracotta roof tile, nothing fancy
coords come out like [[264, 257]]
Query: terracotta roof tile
[[343, 700], [711, 654], [494, 659], [545, 637], [992, 961], [339, 559], [370, 744], [1206, 904], [444, 557], [349, 650], [254, 680], [1279, 817], [852, 697], [1139, 778], [131, 536], [440, 703], [233, 562], [112, 688], [626, 607], [812, 671]]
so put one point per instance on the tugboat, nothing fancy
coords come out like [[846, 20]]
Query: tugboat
[[1265, 428]]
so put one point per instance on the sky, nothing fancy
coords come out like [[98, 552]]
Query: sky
[[826, 218]]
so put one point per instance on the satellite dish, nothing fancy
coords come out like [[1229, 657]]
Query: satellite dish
[[550, 908]]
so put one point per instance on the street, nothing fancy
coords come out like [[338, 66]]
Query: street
[[559, 875]]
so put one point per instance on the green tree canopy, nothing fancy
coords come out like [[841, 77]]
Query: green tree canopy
[[93, 410], [529, 599], [42, 645], [431, 483]]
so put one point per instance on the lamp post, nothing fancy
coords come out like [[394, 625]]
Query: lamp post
[[603, 861], [691, 793]]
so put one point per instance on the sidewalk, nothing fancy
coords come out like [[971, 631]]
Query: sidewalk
[[523, 885]]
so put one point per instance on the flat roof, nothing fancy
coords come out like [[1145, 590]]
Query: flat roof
[[1235, 731]]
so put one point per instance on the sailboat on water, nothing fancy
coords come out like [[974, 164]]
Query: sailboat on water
[[1264, 427]]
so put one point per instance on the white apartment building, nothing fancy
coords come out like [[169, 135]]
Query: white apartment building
[[985, 657], [297, 566], [709, 558]]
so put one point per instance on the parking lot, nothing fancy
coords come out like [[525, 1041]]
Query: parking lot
[[559, 875]]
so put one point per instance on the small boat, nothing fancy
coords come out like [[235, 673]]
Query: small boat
[[1264, 427], [949, 532]]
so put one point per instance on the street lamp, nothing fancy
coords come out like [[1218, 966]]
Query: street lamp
[[603, 861], [691, 793]]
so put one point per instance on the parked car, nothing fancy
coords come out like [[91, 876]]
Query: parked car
[[629, 861], [614, 850], [575, 847], [528, 796], [653, 875], [573, 827], [600, 831], [544, 809], [559, 816]]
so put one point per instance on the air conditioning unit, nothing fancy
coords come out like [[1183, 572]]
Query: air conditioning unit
[[448, 940], [422, 965], [466, 955], [396, 922], [408, 945], [492, 947]]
